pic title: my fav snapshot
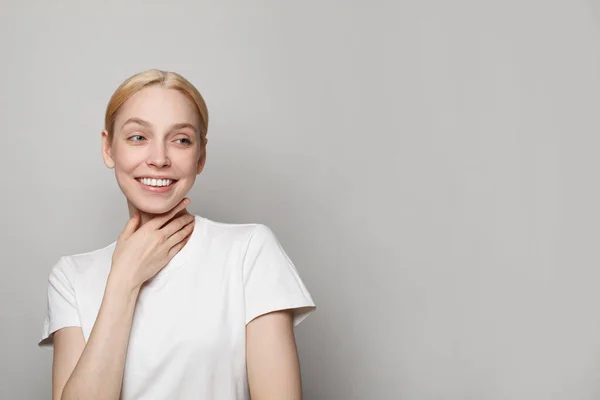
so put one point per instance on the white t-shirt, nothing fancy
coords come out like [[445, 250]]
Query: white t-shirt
[[188, 335]]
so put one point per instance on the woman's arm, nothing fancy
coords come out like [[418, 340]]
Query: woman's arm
[[139, 255], [272, 358], [68, 346], [95, 370]]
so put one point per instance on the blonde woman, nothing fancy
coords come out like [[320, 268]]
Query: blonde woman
[[179, 306]]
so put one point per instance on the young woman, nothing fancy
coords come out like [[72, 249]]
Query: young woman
[[179, 306]]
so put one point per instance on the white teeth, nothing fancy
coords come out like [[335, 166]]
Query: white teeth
[[156, 182]]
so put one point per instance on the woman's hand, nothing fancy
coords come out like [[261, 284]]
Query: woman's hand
[[142, 253]]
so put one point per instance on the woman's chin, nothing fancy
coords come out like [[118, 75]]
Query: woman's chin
[[154, 209]]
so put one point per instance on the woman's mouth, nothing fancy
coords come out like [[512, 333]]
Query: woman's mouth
[[156, 185]]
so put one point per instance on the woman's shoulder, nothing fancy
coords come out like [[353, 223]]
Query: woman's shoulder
[[243, 231], [226, 227], [84, 262]]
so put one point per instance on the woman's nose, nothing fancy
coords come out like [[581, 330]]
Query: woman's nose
[[158, 157]]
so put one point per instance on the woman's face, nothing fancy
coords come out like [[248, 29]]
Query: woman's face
[[156, 150]]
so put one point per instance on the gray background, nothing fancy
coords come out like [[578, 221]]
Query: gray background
[[430, 166]]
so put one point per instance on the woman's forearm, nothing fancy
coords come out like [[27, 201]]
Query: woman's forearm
[[99, 371]]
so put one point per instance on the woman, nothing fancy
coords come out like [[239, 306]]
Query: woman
[[179, 306]]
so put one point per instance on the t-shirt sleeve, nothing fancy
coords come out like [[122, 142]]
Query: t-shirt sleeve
[[271, 281], [61, 305]]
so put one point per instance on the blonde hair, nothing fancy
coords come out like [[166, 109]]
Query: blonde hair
[[166, 79]]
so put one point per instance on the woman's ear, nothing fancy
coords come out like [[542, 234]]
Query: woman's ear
[[107, 150]]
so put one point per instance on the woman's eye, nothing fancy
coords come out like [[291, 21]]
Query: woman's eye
[[185, 140], [136, 138]]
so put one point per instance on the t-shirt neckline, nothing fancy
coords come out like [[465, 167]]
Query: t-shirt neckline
[[184, 254]]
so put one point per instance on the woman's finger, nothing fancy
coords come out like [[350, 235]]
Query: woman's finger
[[158, 222], [131, 225], [174, 250], [175, 225], [180, 235]]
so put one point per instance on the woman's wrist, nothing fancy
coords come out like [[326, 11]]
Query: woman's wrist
[[122, 285]]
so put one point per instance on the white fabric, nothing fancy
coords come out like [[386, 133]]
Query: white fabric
[[188, 334]]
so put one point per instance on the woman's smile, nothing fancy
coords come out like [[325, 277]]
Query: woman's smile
[[156, 185]]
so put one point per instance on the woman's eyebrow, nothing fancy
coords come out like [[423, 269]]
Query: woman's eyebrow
[[182, 125], [139, 121]]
